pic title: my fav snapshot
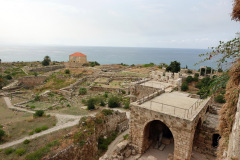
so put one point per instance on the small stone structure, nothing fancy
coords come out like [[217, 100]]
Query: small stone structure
[[78, 58], [174, 115], [167, 77]]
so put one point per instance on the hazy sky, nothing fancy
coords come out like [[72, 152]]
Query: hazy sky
[[133, 23]]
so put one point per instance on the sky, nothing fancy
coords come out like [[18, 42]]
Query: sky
[[128, 23]]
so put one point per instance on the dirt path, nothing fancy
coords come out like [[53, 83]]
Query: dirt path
[[64, 121]]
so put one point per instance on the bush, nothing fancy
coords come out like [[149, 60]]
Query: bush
[[196, 75], [103, 143], [184, 86], [199, 85], [9, 151], [2, 133], [102, 103], [38, 130], [114, 102], [220, 99], [82, 91], [9, 77], [44, 128], [126, 105], [35, 74], [37, 98], [20, 151], [107, 112], [195, 79], [31, 133], [67, 71], [106, 95], [189, 79], [91, 104], [26, 141], [123, 92], [32, 107], [39, 113]]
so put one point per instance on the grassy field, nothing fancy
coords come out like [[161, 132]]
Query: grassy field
[[19, 124], [38, 147], [74, 110]]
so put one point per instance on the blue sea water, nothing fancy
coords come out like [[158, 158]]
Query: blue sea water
[[106, 55]]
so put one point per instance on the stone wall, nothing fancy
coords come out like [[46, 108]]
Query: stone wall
[[233, 152], [31, 81], [141, 91], [89, 151], [47, 69], [108, 89]]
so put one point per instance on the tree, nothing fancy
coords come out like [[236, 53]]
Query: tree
[[114, 102], [174, 67], [67, 71], [46, 61]]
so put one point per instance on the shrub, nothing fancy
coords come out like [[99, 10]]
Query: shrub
[[26, 141], [9, 151], [31, 133], [102, 103], [37, 98], [103, 143], [20, 151], [220, 99], [123, 92], [107, 112], [68, 105], [195, 79], [1, 126], [106, 95], [39, 113], [44, 128], [189, 79], [9, 77], [82, 91], [125, 136], [184, 86], [2, 133], [196, 75], [35, 74], [91, 104], [38, 130], [114, 102], [67, 71], [84, 101], [126, 105], [199, 85], [32, 107]]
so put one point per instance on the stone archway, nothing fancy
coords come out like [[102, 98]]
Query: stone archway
[[197, 132], [158, 138]]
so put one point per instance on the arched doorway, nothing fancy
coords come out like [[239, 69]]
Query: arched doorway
[[215, 140], [197, 132], [158, 140]]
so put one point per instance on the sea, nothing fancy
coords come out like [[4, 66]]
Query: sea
[[107, 55]]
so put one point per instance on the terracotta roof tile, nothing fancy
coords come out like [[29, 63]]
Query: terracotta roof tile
[[78, 54]]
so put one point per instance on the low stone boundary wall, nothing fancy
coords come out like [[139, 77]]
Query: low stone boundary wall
[[31, 81], [104, 89], [46, 69]]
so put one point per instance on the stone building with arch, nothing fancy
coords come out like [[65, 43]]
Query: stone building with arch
[[170, 117]]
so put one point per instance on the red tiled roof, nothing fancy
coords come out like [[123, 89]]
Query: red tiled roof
[[78, 54]]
